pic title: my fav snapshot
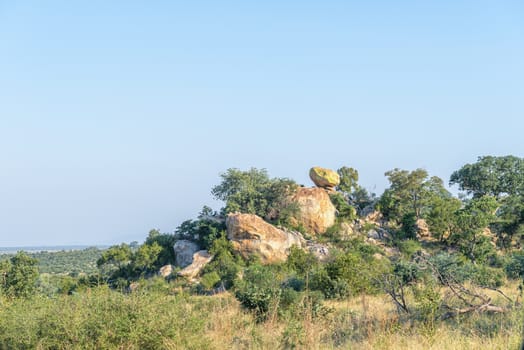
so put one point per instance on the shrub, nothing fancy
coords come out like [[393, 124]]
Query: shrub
[[258, 290], [515, 266], [408, 247], [225, 264], [487, 276], [346, 212]]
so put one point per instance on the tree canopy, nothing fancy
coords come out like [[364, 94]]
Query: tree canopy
[[410, 192], [254, 192], [490, 175]]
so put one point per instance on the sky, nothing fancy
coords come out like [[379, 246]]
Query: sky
[[117, 117]]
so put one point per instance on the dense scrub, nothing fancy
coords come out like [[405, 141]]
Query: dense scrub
[[101, 318]]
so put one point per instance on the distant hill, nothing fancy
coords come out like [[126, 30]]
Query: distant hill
[[60, 259]]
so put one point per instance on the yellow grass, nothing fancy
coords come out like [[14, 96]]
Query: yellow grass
[[368, 322]]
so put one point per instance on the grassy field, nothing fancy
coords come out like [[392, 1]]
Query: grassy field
[[100, 318]]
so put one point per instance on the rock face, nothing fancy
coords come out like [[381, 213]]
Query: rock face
[[325, 178], [184, 251], [251, 235], [166, 270], [316, 213], [200, 259]]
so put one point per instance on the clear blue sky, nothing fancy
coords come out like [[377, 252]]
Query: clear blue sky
[[118, 116]]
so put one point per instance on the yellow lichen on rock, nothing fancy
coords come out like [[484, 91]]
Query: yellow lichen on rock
[[325, 178]]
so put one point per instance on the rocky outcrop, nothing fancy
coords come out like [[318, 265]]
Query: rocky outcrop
[[184, 251], [325, 178], [251, 235], [199, 260], [315, 213], [166, 270]]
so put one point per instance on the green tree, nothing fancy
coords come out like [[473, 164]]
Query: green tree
[[471, 222], [145, 258], [355, 195], [254, 192], [494, 176], [410, 192], [502, 178], [348, 180], [510, 220], [166, 241], [19, 275], [442, 217], [115, 256]]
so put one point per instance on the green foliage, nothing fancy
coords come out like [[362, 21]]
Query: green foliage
[[515, 266], [407, 271], [409, 227], [225, 264], [146, 258], [487, 276], [65, 261], [428, 302], [104, 319], [348, 180], [491, 176], [300, 261], [166, 241], [18, 275], [209, 280], [451, 266], [509, 224], [408, 247], [355, 195], [471, 221], [203, 231], [410, 192], [259, 290], [345, 211], [119, 263], [350, 273], [442, 218], [503, 179], [254, 192]]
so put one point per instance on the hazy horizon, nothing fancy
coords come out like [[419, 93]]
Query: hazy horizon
[[118, 117]]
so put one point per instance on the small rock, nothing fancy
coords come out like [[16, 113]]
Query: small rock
[[320, 251], [166, 270], [200, 259]]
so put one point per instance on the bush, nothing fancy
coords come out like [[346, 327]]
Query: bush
[[349, 273], [408, 247], [345, 211], [259, 290], [515, 266], [225, 264], [487, 276], [408, 272]]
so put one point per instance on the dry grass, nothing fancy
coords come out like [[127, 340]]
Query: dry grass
[[219, 322], [367, 322]]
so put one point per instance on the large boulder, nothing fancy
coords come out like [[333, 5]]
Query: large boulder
[[251, 235], [200, 259], [184, 251], [325, 178], [315, 213]]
